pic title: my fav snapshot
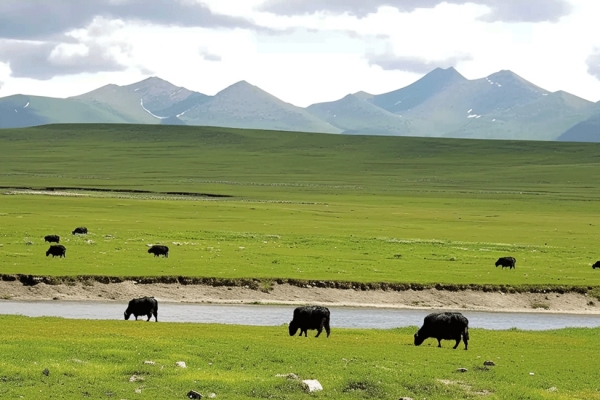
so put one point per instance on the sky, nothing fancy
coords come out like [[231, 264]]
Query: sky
[[301, 51]]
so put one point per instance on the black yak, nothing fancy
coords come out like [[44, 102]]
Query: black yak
[[596, 265], [81, 230], [57, 250], [509, 262], [142, 306], [52, 238], [310, 317], [159, 250], [444, 325]]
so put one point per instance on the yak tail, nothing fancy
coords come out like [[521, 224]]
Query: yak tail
[[466, 333]]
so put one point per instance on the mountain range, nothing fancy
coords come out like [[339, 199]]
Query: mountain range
[[442, 103]]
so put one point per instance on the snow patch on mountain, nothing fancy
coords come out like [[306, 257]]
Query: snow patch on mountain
[[149, 112]]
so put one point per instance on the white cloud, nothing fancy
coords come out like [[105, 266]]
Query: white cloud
[[65, 52], [593, 63], [497, 10], [305, 59]]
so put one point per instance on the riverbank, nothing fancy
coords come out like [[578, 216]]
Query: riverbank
[[574, 303]]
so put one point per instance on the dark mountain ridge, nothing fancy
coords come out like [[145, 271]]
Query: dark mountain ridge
[[443, 103]]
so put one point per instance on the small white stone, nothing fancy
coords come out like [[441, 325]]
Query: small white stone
[[181, 364], [312, 385], [135, 378]]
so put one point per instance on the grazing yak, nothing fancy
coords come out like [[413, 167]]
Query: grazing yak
[[52, 238], [159, 250], [142, 306], [509, 262], [81, 230], [310, 317], [57, 250], [444, 325], [596, 265]]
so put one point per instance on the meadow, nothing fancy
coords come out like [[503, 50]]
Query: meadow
[[300, 205], [106, 359], [296, 206]]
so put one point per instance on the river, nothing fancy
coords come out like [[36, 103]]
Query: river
[[268, 315]]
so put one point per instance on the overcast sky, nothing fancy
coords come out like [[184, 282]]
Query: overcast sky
[[302, 51]]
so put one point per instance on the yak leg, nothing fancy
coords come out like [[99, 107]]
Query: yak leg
[[327, 329], [149, 315], [156, 316], [320, 328], [457, 343], [439, 342]]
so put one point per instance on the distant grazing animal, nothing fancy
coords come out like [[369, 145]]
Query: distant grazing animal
[[82, 230], [159, 250], [444, 325], [52, 238], [596, 265], [57, 250], [142, 306], [509, 262], [310, 317]]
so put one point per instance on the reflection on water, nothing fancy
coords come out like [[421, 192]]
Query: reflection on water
[[342, 317]]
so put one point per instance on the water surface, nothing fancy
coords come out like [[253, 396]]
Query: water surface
[[269, 315]]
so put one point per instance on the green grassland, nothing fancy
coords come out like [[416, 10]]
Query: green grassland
[[307, 206], [96, 359]]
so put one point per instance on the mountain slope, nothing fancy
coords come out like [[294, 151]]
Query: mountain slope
[[158, 94], [357, 116], [147, 102], [472, 105], [544, 118], [120, 101], [243, 105], [22, 111], [417, 93], [585, 131]]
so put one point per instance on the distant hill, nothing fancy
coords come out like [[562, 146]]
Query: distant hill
[[585, 131], [500, 106], [22, 110], [358, 116], [417, 93], [442, 103], [243, 105]]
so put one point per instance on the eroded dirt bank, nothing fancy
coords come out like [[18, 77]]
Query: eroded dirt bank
[[288, 294]]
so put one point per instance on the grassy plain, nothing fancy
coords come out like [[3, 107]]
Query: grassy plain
[[302, 205], [96, 359]]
